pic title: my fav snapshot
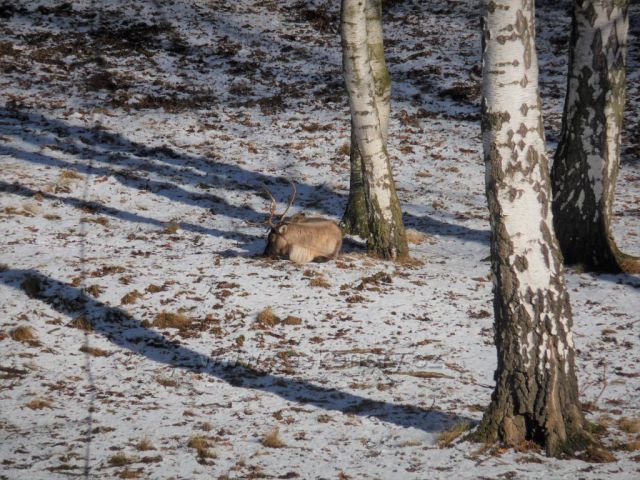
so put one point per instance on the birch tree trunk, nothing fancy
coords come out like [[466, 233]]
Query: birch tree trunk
[[536, 393], [368, 85], [355, 217], [588, 155]]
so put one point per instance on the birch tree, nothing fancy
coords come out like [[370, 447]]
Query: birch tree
[[588, 155], [372, 191], [536, 393]]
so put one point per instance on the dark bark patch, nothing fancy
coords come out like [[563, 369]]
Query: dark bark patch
[[522, 130], [522, 27], [545, 254], [494, 120], [544, 202], [521, 263], [533, 159], [590, 14], [514, 193]]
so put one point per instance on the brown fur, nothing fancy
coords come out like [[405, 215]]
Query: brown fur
[[305, 240]]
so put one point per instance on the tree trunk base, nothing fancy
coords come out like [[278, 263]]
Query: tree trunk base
[[560, 434], [354, 220], [605, 259], [627, 263], [388, 247]]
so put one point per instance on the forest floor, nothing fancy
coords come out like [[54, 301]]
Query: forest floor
[[134, 141]]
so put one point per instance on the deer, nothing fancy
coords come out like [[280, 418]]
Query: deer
[[301, 239]]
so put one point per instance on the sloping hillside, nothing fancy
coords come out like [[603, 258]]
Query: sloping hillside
[[142, 335]]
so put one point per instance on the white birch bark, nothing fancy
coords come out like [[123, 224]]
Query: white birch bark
[[588, 156], [536, 396], [386, 230], [355, 219], [381, 78]]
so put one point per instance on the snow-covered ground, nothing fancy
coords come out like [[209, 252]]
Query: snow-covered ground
[[134, 140]]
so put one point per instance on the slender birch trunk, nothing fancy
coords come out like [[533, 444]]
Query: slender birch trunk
[[588, 155], [368, 85], [355, 217], [536, 393]]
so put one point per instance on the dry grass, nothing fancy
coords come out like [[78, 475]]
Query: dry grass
[[373, 282], [32, 286], [81, 323], [423, 374], [31, 208], [201, 445], [273, 440], [94, 351], [416, 237], [172, 320], [602, 424], [131, 297], [447, 437], [410, 443], [145, 444], [527, 446], [70, 175], [167, 381], [267, 318], [25, 334], [126, 473], [291, 320], [171, 228], [629, 425], [39, 404], [598, 455], [630, 446], [319, 281], [104, 221], [66, 179], [206, 426], [25, 211], [410, 262], [633, 445], [198, 442], [119, 460], [151, 459], [155, 288], [105, 270], [95, 290]]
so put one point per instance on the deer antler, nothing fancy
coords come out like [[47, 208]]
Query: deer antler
[[293, 196], [272, 211], [272, 207]]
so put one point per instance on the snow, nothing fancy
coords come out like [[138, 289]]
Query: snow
[[147, 183]]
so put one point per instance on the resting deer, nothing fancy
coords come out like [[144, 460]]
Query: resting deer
[[301, 239]]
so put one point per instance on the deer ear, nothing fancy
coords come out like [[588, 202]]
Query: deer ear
[[282, 230]]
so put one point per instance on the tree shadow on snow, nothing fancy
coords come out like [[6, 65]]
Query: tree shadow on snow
[[21, 190], [168, 173], [120, 328]]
